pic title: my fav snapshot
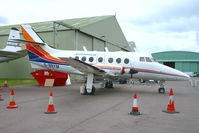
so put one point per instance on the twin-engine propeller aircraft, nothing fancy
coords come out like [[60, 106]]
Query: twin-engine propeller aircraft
[[99, 65], [12, 50]]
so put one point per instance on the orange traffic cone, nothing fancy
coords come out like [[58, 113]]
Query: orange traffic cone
[[12, 101], [171, 106], [5, 83], [51, 109], [135, 107], [1, 98]]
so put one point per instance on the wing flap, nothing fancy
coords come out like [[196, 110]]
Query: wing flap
[[83, 66]]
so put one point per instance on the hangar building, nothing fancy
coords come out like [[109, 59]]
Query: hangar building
[[184, 61], [95, 33]]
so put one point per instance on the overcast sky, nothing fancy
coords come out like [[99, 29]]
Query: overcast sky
[[154, 25]]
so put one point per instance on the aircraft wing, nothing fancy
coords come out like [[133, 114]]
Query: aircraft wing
[[82, 66], [8, 55], [24, 52]]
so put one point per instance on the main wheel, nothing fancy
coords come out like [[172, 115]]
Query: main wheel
[[122, 81], [109, 84], [161, 90], [83, 90], [92, 91]]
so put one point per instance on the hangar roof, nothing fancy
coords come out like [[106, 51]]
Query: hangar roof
[[104, 28], [48, 25], [176, 56]]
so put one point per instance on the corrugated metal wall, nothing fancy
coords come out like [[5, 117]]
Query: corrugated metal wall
[[184, 60], [68, 40]]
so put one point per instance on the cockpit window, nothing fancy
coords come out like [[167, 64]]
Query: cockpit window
[[142, 59], [148, 59], [153, 60]]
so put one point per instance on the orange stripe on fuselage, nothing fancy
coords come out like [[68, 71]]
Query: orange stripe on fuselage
[[26, 36], [45, 53], [113, 67]]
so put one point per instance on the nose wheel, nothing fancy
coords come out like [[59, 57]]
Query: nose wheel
[[161, 90]]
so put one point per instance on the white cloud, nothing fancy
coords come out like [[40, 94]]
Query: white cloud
[[3, 20], [154, 25], [156, 42]]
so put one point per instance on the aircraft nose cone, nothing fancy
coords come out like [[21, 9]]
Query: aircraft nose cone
[[187, 76], [181, 75]]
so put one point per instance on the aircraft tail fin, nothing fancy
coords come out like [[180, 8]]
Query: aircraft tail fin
[[30, 35], [32, 39], [37, 49], [13, 46]]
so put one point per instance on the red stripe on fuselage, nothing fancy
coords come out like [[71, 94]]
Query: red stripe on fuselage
[[139, 69], [158, 72], [34, 50]]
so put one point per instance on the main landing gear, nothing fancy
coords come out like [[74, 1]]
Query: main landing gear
[[88, 89], [84, 91], [109, 84], [161, 89]]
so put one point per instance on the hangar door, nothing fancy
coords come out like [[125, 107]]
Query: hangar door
[[170, 64]]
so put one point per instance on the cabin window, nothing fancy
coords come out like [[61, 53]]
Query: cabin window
[[118, 60], [83, 58], [91, 59], [126, 61], [142, 59], [148, 59], [77, 57], [110, 60], [100, 59]]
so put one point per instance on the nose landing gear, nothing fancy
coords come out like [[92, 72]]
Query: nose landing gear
[[161, 89]]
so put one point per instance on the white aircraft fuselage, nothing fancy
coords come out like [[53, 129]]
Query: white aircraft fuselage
[[148, 70], [94, 64]]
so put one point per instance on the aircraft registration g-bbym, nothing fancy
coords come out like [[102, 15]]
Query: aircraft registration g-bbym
[[99, 65], [12, 50]]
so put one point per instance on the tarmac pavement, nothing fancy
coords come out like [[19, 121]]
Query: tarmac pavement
[[106, 111]]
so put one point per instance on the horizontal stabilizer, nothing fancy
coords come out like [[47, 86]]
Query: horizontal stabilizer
[[13, 55], [24, 41]]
